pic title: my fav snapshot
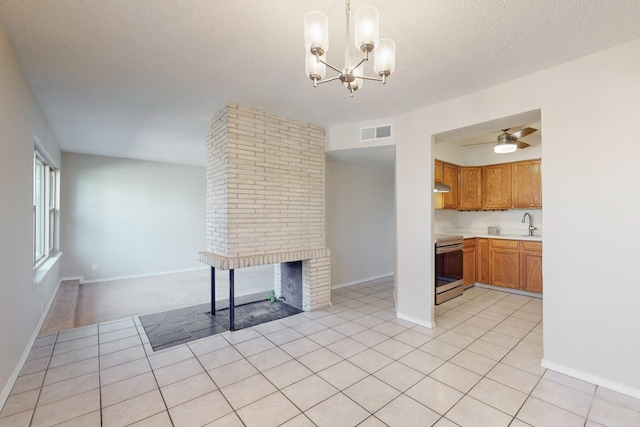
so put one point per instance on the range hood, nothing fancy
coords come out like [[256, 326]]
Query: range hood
[[441, 188]]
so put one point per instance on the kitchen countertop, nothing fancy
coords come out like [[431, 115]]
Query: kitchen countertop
[[470, 234], [503, 236]]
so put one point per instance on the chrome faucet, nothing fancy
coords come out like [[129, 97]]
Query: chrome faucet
[[531, 227]]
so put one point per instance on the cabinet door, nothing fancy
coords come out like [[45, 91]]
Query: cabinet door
[[450, 178], [437, 172], [470, 189], [469, 262], [505, 263], [531, 266], [496, 183], [527, 184], [482, 261]]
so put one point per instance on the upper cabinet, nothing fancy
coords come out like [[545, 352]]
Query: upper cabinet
[[470, 188], [438, 172], [497, 186], [516, 185], [527, 184], [450, 178]]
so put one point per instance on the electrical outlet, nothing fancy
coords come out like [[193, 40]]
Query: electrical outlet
[[94, 267]]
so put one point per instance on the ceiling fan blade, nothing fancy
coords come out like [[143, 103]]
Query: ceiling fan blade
[[521, 144], [523, 132], [477, 143]]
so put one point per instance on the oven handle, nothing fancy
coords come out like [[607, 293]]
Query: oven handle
[[447, 249]]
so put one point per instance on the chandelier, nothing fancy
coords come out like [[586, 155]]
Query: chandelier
[[316, 37]]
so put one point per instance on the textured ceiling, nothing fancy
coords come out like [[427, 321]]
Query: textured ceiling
[[138, 79]]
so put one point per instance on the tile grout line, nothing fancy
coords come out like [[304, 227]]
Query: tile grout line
[[153, 372], [33, 416]]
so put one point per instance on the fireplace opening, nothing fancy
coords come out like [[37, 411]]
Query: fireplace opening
[[291, 283]]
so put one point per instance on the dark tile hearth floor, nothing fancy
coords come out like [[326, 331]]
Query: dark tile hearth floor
[[174, 327]]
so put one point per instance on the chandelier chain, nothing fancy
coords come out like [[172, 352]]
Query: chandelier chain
[[346, 36]]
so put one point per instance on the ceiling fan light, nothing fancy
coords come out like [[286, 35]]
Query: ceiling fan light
[[505, 147], [316, 33], [367, 28]]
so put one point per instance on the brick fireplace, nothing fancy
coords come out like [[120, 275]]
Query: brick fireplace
[[266, 199]]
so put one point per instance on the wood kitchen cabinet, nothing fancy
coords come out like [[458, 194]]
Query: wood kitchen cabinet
[[482, 261], [531, 266], [437, 172], [515, 264], [470, 189], [450, 178], [503, 186], [527, 184], [468, 262], [497, 186], [505, 263]]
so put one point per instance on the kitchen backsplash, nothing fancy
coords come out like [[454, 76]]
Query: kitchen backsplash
[[509, 222]]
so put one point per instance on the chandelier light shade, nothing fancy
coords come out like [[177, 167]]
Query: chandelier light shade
[[316, 33], [314, 68], [367, 28], [358, 73], [366, 39], [385, 61]]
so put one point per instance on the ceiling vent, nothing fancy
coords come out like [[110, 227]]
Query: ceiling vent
[[375, 133]]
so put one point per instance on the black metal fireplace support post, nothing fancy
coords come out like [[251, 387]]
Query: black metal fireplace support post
[[213, 291], [232, 302]]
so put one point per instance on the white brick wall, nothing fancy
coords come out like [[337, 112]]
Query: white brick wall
[[266, 196], [265, 184]]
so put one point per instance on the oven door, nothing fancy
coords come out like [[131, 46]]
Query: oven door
[[448, 271]]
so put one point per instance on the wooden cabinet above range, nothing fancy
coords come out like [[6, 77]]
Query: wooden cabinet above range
[[450, 178], [516, 185]]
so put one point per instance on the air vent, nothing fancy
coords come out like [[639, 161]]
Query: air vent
[[375, 133]]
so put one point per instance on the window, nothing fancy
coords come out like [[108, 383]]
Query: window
[[45, 212]]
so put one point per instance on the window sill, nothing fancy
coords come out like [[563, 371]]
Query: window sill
[[41, 272]]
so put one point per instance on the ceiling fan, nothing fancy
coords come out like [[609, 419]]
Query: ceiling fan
[[508, 142]]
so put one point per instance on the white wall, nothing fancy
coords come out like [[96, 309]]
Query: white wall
[[130, 217], [591, 244], [21, 304], [360, 229]]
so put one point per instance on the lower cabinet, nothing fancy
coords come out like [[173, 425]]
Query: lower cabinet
[[505, 263], [482, 264], [515, 264], [531, 267], [469, 262]]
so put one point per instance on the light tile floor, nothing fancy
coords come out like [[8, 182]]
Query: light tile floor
[[352, 364]]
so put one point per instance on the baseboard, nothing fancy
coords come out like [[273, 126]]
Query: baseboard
[[25, 354], [593, 379], [135, 276], [78, 278], [356, 282], [417, 321], [508, 290]]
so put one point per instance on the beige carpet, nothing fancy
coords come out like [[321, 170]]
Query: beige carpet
[[86, 304], [61, 315]]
